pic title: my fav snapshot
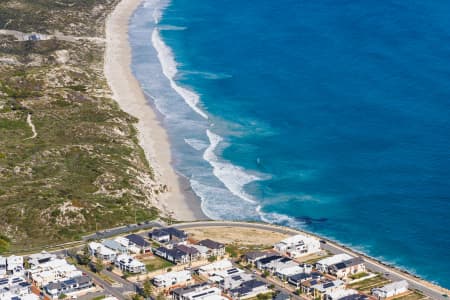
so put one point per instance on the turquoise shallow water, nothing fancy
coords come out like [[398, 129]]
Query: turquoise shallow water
[[331, 116]]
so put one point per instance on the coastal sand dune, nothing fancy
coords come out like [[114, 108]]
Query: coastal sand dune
[[152, 137]]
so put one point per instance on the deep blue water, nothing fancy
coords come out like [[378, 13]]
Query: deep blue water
[[332, 116]]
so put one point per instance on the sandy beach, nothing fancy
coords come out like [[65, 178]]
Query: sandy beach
[[180, 200]]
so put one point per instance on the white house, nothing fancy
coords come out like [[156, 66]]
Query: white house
[[127, 263], [2, 266], [13, 287], [40, 258], [249, 289], [197, 292], [215, 248], [170, 279], [53, 270], [126, 243], [340, 293], [390, 290], [100, 251], [326, 287], [214, 267], [348, 267], [14, 265], [235, 280], [202, 250], [298, 245], [323, 264]]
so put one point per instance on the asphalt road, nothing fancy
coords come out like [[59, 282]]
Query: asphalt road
[[373, 265], [107, 233]]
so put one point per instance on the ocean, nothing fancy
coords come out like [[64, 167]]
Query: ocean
[[329, 116]]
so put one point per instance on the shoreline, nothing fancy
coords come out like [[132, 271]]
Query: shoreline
[[179, 202]]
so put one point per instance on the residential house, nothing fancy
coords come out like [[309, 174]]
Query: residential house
[[174, 255], [249, 289], [53, 270], [211, 269], [340, 293], [197, 292], [193, 253], [140, 242], [115, 246], [102, 252], [168, 280], [40, 258], [69, 287], [164, 235], [253, 256], [178, 293], [265, 263], [319, 289], [14, 265], [3, 266], [355, 297], [284, 271], [13, 287], [202, 251], [298, 245], [282, 296], [284, 263], [128, 264], [297, 279], [235, 280], [127, 244], [324, 264], [218, 276], [215, 248], [390, 290], [349, 267], [160, 235]]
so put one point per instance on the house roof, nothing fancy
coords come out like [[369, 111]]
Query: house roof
[[138, 240], [211, 244], [269, 259], [114, 245], [159, 232], [177, 253], [247, 287], [348, 263], [187, 250], [355, 297], [253, 255], [394, 286], [174, 232]]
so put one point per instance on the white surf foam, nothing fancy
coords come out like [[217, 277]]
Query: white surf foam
[[280, 219], [172, 27], [169, 68], [196, 144], [233, 177], [209, 75]]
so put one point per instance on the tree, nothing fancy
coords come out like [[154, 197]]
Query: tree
[[99, 266], [4, 243], [62, 296], [85, 257], [212, 258], [265, 274], [263, 296]]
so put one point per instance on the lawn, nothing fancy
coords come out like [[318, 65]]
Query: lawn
[[368, 284], [155, 263], [411, 296], [359, 275]]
